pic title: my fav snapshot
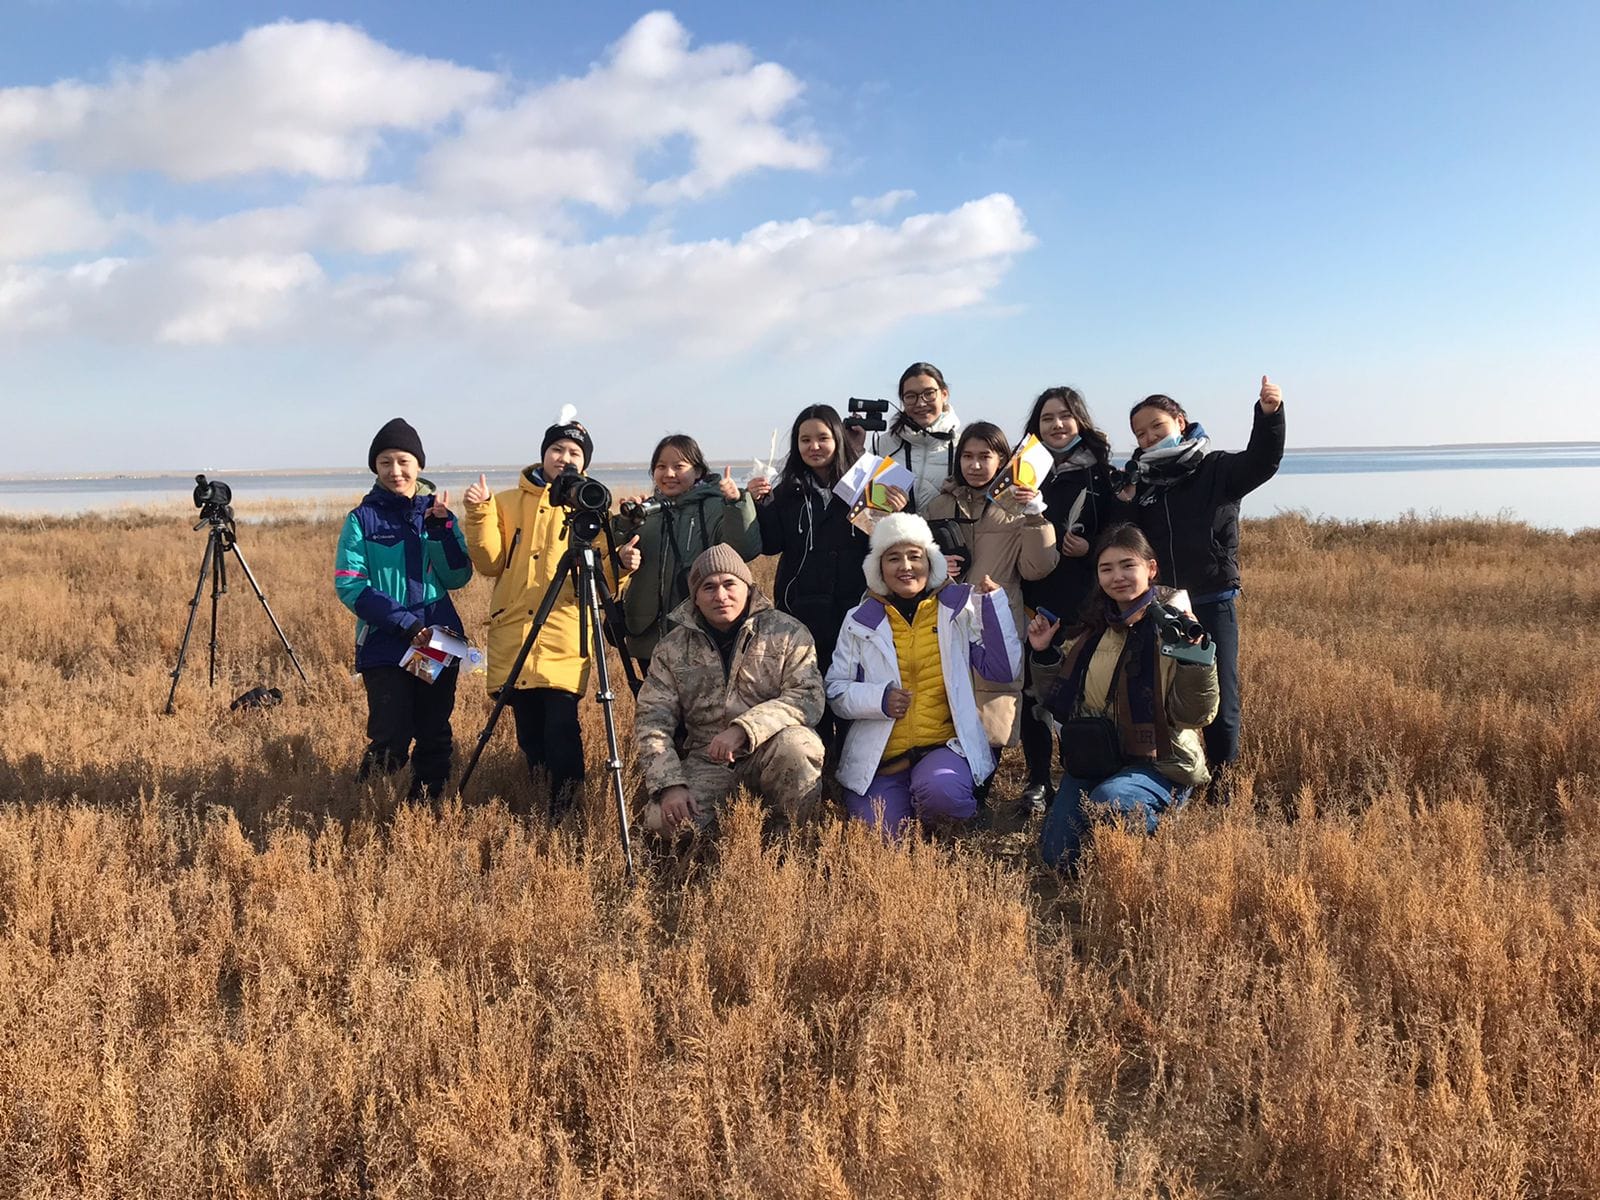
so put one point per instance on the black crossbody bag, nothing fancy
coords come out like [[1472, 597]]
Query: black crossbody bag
[[1091, 748]]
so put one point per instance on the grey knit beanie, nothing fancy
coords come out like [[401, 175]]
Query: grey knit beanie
[[721, 559]]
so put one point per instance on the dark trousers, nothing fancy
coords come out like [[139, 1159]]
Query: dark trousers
[[402, 709], [1222, 735], [1038, 746], [548, 733]]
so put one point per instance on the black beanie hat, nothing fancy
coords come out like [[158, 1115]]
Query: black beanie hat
[[396, 435], [567, 426]]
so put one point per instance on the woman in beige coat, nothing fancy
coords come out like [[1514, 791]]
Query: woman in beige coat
[[1006, 547]]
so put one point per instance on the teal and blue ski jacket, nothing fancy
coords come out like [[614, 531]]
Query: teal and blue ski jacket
[[395, 571]]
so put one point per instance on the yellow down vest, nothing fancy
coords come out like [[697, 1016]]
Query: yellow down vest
[[916, 645]]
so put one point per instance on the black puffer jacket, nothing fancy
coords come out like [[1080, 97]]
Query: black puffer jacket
[[1193, 524], [819, 564], [1063, 590]]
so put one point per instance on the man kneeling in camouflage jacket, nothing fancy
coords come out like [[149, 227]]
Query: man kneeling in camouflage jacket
[[741, 680]]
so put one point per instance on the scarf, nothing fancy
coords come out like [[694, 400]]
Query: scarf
[[1154, 471], [1136, 698], [1073, 458]]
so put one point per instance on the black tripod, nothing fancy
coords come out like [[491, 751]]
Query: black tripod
[[222, 538], [581, 562]]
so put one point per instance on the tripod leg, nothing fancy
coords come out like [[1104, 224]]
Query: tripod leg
[[614, 619], [219, 585], [551, 596], [591, 586], [188, 628], [261, 596]]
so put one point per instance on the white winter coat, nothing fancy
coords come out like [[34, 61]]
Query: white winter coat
[[929, 454], [976, 634]]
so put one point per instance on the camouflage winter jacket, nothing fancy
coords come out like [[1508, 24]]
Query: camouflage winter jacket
[[772, 683]]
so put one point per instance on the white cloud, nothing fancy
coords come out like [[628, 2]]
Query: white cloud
[[46, 213], [581, 139], [302, 98], [486, 238]]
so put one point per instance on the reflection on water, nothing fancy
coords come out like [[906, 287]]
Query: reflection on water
[[1550, 486]]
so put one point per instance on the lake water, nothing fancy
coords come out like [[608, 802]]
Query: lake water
[[1552, 486]]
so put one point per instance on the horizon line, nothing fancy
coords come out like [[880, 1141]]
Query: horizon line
[[27, 476]]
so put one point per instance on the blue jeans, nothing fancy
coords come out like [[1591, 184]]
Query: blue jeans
[[1133, 793]]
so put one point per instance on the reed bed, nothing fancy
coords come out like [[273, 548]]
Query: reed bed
[[227, 968]]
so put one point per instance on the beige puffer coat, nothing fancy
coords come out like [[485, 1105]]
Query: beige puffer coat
[[1008, 549]]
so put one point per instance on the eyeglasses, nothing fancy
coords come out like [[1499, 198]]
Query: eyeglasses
[[924, 397]]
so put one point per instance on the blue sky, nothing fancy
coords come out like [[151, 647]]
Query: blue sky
[[1391, 209]]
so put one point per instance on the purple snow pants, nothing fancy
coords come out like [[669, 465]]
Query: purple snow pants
[[937, 788]]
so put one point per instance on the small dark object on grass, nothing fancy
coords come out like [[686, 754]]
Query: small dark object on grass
[[258, 697]]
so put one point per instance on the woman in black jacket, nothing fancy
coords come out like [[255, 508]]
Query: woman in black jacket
[[1079, 501], [1185, 497], [808, 527]]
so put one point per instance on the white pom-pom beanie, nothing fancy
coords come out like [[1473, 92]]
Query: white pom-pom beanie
[[903, 529]]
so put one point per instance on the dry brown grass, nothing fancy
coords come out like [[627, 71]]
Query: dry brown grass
[[226, 968]]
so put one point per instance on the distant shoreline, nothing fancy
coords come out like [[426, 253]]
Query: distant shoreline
[[601, 467]]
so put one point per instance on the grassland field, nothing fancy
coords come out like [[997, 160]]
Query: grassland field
[[227, 968]]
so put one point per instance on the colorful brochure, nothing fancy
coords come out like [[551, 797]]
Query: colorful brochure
[[865, 488], [1029, 467]]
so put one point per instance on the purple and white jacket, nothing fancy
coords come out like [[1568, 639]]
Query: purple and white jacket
[[976, 634]]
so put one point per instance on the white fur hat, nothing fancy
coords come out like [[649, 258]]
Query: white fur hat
[[903, 529]]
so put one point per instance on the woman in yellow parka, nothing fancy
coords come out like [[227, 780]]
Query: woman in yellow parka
[[517, 538]]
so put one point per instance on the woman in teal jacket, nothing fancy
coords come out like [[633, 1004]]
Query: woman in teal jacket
[[401, 552]]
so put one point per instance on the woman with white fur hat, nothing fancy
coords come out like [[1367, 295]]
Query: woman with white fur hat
[[902, 674]]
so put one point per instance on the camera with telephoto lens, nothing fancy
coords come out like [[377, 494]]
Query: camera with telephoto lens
[[587, 501], [1179, 635], [578, 493], [637, 510], [214, 499], [867, 414]]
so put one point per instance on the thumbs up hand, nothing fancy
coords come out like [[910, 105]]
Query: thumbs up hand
[[478, 493], [629, 554], [1271, 396], [730, 489]]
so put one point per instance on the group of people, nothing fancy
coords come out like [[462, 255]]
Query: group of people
[[973, 618]]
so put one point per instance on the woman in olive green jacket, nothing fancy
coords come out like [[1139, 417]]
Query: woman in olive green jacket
[[690, 511]]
